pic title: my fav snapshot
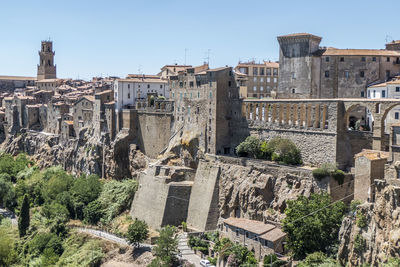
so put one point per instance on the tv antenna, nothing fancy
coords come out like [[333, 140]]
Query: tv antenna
[[388, 38], [207, 58]]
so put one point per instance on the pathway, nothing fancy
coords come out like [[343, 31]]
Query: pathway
[[108, 236], [186, 252]]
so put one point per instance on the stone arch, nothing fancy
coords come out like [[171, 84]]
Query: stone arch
[[350, 120]]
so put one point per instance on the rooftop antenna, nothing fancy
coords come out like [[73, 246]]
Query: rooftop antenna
[[185, 54], [388, 38], [208, 56]]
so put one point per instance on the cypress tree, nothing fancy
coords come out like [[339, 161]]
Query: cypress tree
[[23, 220]]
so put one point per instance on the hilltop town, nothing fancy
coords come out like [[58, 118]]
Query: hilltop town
[[230, 149]]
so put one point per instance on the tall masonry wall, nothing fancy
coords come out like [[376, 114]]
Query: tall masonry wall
[[203, 205]]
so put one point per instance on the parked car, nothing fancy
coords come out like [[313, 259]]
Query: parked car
[[205, 263]]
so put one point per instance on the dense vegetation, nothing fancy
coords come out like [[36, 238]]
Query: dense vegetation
[[277, 149], [329, 169], [45, 201], [312, 224]]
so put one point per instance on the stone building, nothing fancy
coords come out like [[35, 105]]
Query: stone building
[[257, 80], [261, 238], [47, 84], [128, 91], [206, 103], [83, 113], [46, 68], [16, 114], [104, 113], [10, 83], [389, 89], [55, 111], [171, 70], [310, 71]]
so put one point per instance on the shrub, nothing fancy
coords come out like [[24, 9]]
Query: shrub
[[138, 231], [285, 151], [338, 175], [319, 173], [329, 169], [249, 147], [359, 243], [361, 219], [213, 261], [354, 204], [184, 226]]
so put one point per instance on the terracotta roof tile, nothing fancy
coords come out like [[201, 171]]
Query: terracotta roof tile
[[253, 226]]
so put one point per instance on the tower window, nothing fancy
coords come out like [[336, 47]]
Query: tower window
[[327, 74]]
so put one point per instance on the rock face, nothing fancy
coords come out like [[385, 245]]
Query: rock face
[[118, 159], [259, 191], [379, 238]]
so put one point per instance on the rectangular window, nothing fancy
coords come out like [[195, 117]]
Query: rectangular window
[[383, 93], [362, 93], [373, 58], [275, 80], [129, 86], [255, 88], [148, 86], [129, 95], [268, 79], [398, 89], [255, 71], [210, 94], [229, 83], [191, 84], [255, 79], [180, 84], [160, 86], [275, 72], [369, 93], [327, 74], [362, 74], [262, 71], [396, 115], [327, 59], [387, 74], [261, 88], [269, 72], [198, 94], [388, 59], [342, 59], [363, 59], [346, 74], [261, 79]]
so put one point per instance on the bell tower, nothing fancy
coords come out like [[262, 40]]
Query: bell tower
[[46, 67]]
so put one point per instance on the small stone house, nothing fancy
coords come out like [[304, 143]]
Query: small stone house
[[260, 238]]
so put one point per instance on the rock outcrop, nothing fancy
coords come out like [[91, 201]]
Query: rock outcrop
[[373, 236], [260, 191], [118, 159]]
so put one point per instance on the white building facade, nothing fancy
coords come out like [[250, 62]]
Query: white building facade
[[390, 89], [128, 91]]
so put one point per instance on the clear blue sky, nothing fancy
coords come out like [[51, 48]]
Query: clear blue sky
[[116, 37]]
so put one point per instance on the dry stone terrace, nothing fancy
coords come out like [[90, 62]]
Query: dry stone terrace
[[326, 119]]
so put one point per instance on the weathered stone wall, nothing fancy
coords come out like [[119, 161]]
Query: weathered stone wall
[[203, 206], [153, 132], [160, 200]]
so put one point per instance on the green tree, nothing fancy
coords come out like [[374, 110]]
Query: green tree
[[7, 194], [249, 147], [312, 224], [24, 219], [138, 231], [84, 190], [166, 247], [93, 212]]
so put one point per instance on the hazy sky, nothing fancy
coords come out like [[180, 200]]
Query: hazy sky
[[117, 37]]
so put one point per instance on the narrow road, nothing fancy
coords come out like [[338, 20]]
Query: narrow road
[[186, 252], [8, 214], [108, 236]]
